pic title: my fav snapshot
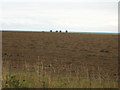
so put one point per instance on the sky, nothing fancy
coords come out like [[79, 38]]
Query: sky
[[71, 15]]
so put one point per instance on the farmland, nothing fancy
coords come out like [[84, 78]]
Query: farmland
[[58, 60]]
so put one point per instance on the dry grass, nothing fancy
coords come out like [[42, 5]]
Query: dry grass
[[40, 78]]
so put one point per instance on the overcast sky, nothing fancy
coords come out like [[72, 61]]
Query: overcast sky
[[71, 15]]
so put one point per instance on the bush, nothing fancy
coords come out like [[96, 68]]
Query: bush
[[12, 82]]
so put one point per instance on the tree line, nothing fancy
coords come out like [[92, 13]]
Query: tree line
[[58, 31]]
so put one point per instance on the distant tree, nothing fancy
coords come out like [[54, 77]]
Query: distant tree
[[66, 31], [50, 30], [56, 31], [60, 31]]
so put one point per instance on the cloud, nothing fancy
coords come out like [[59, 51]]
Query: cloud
[[74, 15]]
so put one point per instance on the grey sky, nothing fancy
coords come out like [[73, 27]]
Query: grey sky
[[73, 15]]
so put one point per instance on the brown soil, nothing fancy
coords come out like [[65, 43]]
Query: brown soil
[[64, 53]]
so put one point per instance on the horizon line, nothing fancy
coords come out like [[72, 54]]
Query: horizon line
[[62, 31]]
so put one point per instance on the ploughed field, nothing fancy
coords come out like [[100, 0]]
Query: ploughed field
[[61, 54]]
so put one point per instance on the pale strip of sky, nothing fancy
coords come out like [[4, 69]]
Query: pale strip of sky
[[60, 0], [73, 15]]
